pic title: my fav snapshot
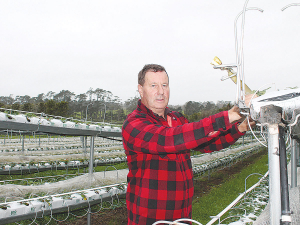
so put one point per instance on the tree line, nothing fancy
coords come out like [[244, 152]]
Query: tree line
[[99, 105]]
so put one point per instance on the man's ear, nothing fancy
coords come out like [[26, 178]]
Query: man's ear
[[140, 89]]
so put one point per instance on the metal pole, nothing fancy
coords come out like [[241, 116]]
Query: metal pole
[[294, 164], [89, 216], [274, 174], [297, 153], [91, 167], [91, 164], [85, 144], [285, 202], [23, 149]]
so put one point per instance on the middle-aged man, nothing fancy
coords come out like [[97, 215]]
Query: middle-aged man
[[157, 143]]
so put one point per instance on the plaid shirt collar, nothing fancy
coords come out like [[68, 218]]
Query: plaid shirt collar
[[141, 107]]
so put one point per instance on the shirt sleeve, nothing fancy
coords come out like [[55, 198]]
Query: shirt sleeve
[[221, 141], [141, 134]]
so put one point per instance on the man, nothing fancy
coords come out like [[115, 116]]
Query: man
[[157, 143]]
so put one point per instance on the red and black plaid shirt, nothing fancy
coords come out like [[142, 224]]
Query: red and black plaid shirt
[[160, 178]]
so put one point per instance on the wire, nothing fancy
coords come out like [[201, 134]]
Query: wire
[[254, 133], [261, 124]]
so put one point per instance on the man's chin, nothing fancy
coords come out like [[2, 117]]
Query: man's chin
[[161, 105]]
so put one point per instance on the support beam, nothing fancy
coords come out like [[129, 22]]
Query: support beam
[[294, 159]]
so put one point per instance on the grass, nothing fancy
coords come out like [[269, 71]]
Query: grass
[[221, 195]]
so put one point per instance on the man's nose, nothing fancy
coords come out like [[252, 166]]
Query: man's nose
[[160, 89]]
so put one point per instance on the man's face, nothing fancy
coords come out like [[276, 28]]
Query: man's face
[[155, 92]]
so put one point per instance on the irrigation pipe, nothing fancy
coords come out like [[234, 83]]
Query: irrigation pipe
[[236, 200], [177, 222]]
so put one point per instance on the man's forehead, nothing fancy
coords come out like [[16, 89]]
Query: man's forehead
[[151, 75]]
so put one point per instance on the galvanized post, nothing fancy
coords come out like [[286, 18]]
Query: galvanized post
[[23, 149], [271, 116], [91, 169], [85, 146], [89, 216], [297, 154], [294, 164], [91, 164], [274, 174], [285, 203]]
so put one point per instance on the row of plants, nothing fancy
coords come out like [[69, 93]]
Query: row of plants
[[60, 147], [57, 121], [226, 161], [49, 204], [33, 167], [224, 186], [60, 174]]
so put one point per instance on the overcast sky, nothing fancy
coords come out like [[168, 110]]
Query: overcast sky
[[55, 45]]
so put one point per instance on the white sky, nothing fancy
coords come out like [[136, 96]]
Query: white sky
[[55, 45]]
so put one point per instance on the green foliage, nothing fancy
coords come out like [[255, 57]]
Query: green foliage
[[50, 107], [195, 111], [176, 108], [131, 104], [62, 109], [28, 107], [16, 106], [41, 107]]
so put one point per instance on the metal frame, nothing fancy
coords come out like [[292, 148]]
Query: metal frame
[[37, 128]]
